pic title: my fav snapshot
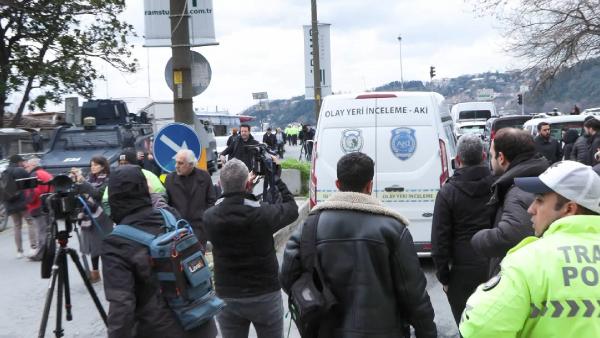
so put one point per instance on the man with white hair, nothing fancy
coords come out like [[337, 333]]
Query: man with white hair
[[190, 191], [241, 232], [34, 204], [548, 284]]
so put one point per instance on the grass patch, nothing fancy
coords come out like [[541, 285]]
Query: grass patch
[[304, 168]]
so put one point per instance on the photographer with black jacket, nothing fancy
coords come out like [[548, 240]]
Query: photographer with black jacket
[[241, 232], [240, 147]]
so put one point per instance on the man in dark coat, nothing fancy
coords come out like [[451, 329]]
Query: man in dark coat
[[270, 139], [592, 127], [240, 147], [190, 191], [580, 151], [546, 145], [512, 155], [460, 211], [368, 260], [16, 206], [137, 308], [241, 232]]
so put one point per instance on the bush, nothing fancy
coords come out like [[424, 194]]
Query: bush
[[304, 168]]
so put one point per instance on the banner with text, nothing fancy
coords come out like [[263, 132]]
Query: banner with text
[[157, 24], [324, 61]]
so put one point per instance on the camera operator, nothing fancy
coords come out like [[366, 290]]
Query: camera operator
[[34, 204], [239, 147], [241, 232]]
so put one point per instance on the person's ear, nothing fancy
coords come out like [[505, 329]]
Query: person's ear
[[337, 184], [571, 208]]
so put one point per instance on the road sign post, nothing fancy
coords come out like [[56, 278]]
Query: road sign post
[[172, 138]]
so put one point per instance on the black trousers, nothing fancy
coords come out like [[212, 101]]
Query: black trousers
[[463, 282]]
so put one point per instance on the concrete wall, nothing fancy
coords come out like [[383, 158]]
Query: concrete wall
[[291, 178]]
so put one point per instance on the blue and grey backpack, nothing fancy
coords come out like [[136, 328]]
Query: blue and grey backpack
[[181, 269]]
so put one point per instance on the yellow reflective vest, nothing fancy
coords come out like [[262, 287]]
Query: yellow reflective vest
[[547, 287]]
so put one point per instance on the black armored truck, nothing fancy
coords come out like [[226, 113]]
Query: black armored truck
[[106, 129]]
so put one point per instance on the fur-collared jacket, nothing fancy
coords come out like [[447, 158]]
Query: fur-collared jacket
[[370, 264]]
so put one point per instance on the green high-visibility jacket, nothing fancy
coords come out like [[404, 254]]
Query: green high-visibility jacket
[[547, 287]]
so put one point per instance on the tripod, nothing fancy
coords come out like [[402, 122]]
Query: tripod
[[60, 272]]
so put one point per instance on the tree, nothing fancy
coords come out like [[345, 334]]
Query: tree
[[47, 48], [551, 34]]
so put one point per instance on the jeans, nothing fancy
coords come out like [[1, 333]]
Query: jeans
[[17, 218], [265, 312]]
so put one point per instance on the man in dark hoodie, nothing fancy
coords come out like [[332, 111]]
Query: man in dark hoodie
[[512, 155], [240, 147], [459, 269], [137, 308]]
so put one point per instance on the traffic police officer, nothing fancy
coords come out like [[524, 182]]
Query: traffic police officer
[[547, 286]]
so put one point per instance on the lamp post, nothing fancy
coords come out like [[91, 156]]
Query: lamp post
[[401, 76]]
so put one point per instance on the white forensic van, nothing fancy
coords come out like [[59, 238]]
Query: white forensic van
[[410, 137]]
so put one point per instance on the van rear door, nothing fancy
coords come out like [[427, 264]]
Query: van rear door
[[344, 127], [408, 161]]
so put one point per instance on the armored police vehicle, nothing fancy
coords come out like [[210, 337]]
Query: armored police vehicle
[[107, 129]]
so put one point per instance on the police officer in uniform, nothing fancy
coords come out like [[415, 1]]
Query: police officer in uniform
[[548, 285]]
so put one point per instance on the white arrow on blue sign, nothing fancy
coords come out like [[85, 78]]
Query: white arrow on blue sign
[[172, 138]]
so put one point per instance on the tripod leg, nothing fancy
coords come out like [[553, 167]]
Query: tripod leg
[[83, 256], [62, 266], [87, 283], [49, 293], [67, 289]]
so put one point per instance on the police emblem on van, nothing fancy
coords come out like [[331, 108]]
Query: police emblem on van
[[352, 141], [403, 143]]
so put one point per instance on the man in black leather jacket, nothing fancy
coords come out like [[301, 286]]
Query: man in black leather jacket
[[368, 260], [137, 308], [460, 211]]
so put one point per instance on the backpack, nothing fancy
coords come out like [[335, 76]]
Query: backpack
[[310, 298], [181, 268], [8, 187]]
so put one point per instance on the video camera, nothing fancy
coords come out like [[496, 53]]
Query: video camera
[[262, 161], [62, 206]]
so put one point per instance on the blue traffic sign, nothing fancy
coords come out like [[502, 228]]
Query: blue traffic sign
[[172, 138]]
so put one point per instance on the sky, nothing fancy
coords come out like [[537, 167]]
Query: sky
[[261, 48]]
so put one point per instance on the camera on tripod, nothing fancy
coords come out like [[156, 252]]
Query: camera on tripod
[[62, 207]]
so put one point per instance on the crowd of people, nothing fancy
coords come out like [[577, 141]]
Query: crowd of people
[[514, 242]]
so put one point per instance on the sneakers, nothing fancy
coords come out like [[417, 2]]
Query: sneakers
[[20, 255]]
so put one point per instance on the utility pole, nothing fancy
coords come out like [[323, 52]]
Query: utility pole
[[182, 62], [315, 54], [401, 75]]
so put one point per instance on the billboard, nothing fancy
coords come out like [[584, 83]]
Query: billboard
[[324, 61], [157, 24]]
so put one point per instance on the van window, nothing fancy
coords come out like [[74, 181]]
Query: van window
[[556, 129], [474, 114], [451, 138]]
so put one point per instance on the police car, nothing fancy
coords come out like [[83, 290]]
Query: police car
[[410, 137]]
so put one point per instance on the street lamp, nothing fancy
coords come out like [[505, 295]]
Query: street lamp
[[401, 76]]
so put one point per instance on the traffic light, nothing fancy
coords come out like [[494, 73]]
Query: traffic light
[[520, 98], [431, 72]]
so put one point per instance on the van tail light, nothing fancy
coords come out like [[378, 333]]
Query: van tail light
[[444, 157], [312, 185], [492, 135]]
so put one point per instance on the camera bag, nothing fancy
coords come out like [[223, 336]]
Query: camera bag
[[179, 264], [310, 298]]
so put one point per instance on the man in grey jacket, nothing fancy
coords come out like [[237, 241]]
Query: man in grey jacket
[[368, 259], [512, 154]]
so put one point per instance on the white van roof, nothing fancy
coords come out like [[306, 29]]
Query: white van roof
[[473, 105], [555, 119]]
